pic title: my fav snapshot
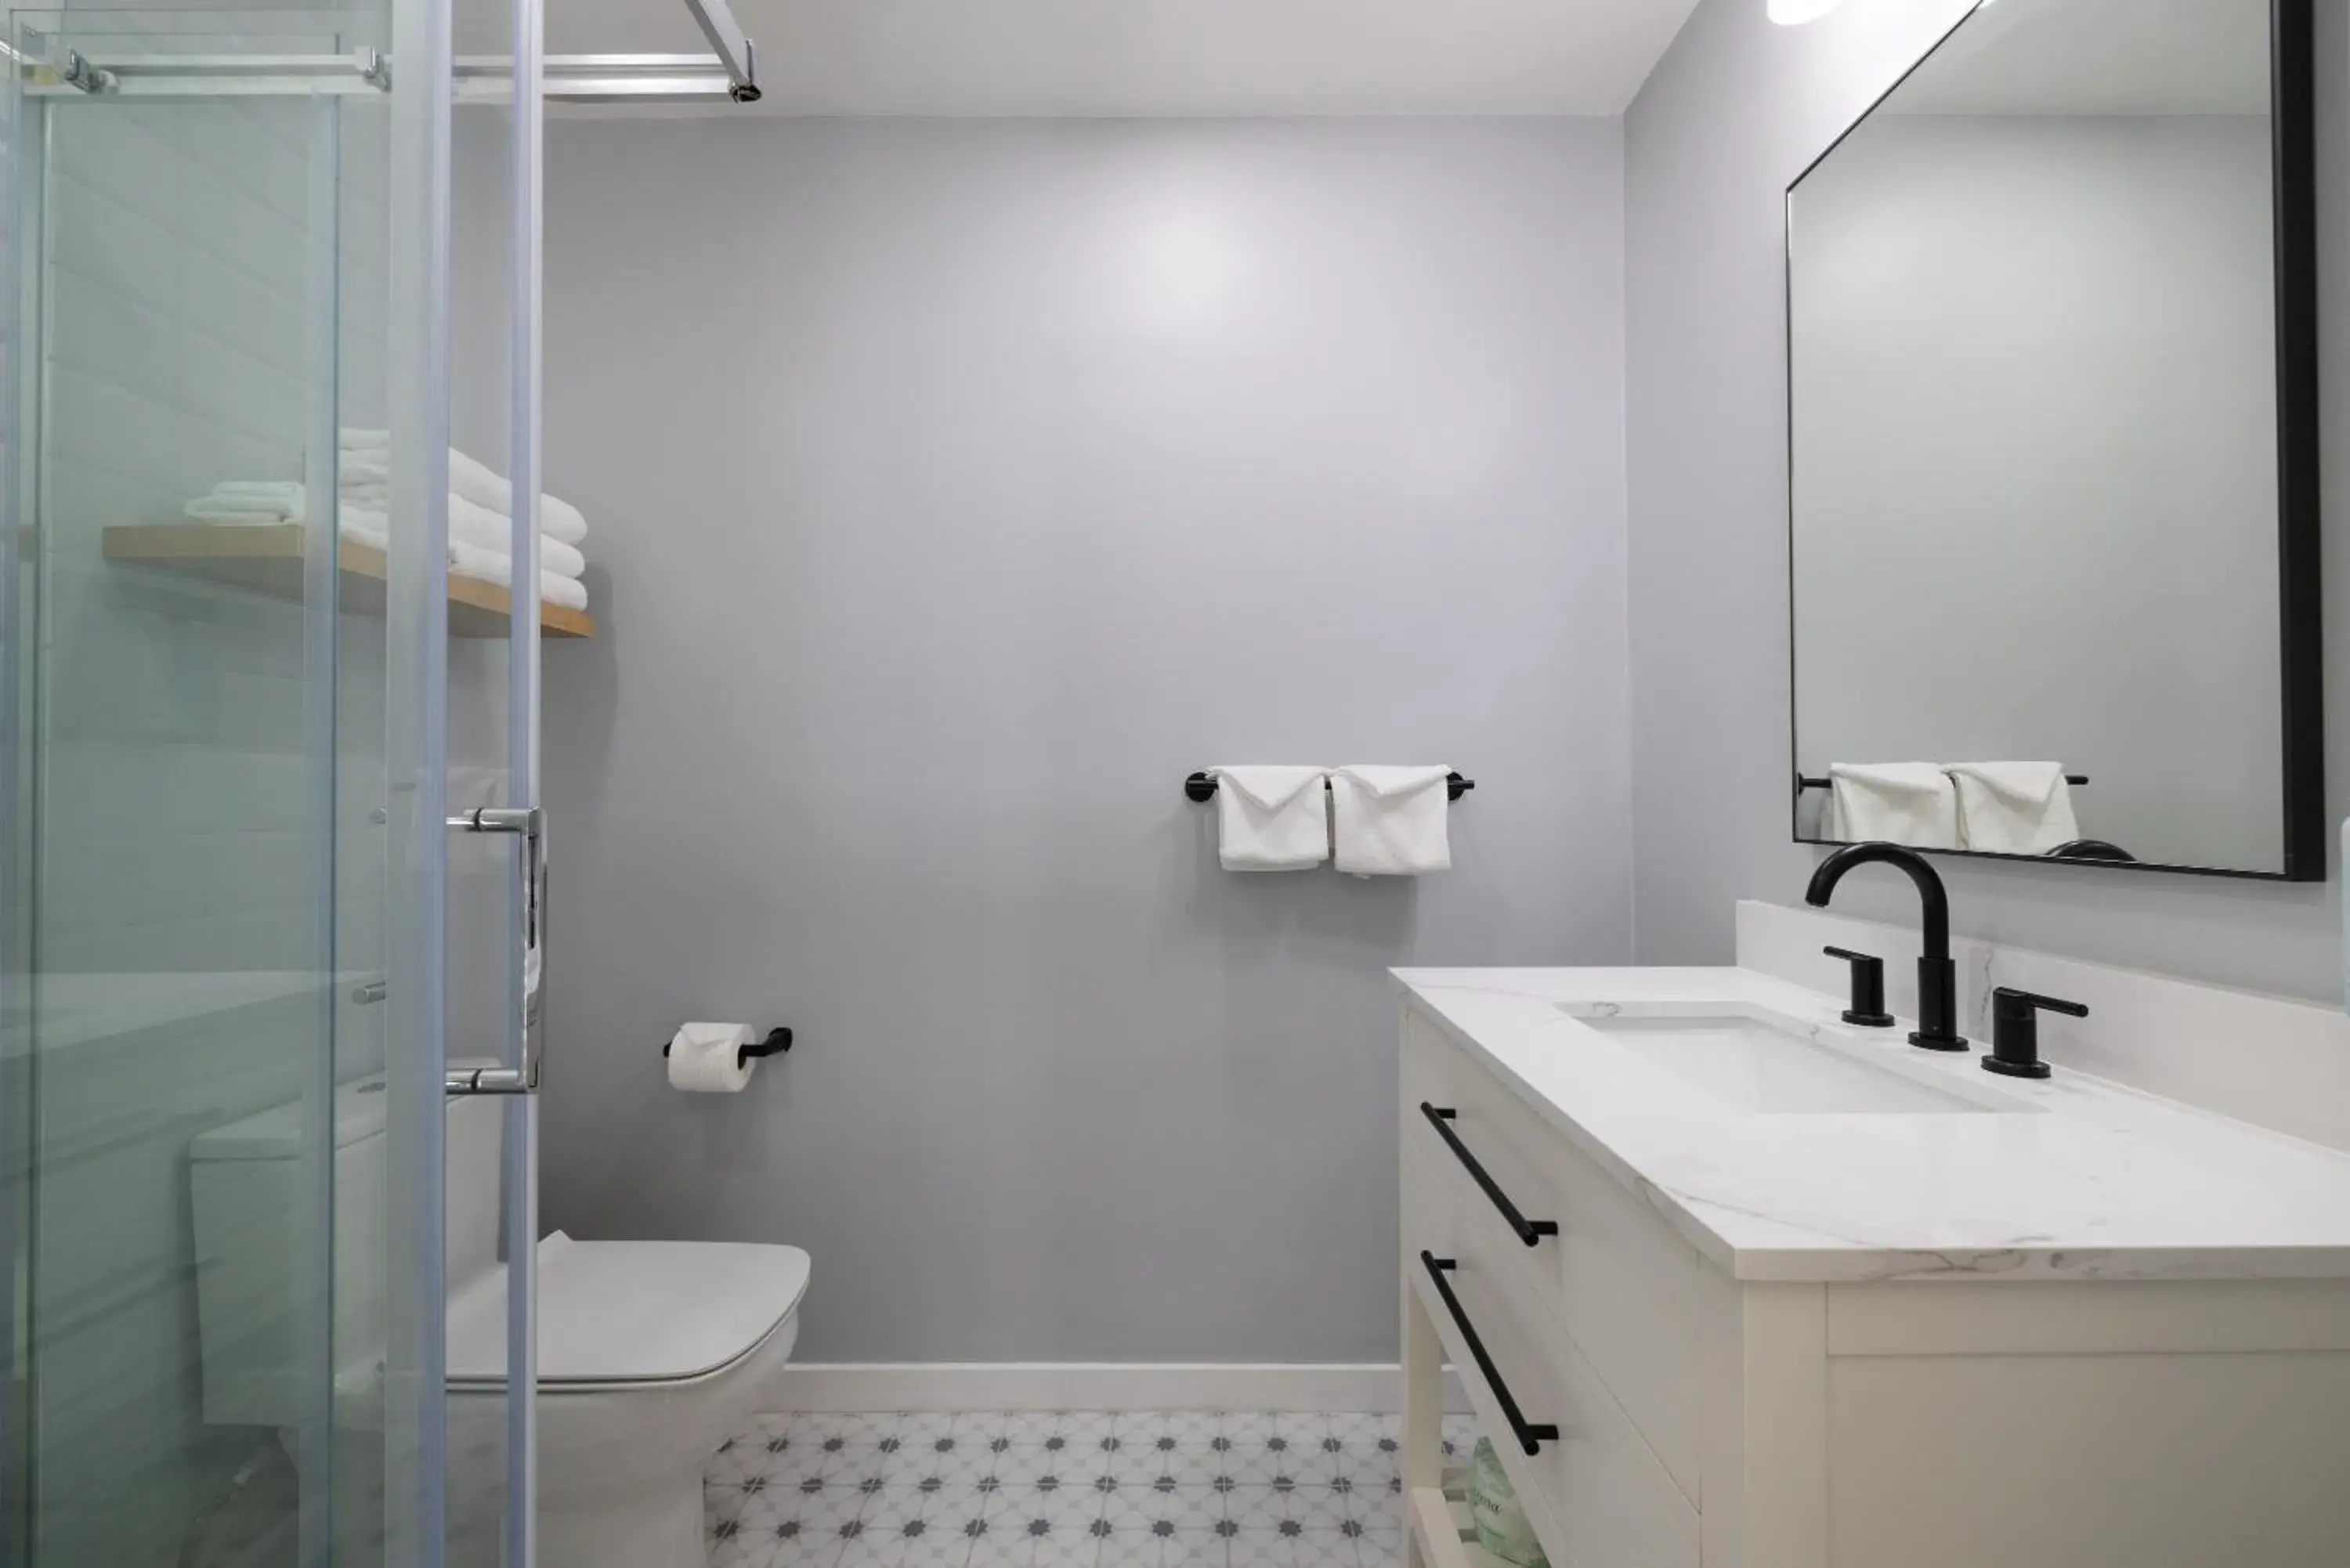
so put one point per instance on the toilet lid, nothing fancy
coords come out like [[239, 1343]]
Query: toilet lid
[[632, 1312]]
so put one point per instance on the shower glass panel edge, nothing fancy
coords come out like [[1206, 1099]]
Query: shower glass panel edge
[[280, 254]]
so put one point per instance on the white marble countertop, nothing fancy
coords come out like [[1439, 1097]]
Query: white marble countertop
[[2084, 1181]]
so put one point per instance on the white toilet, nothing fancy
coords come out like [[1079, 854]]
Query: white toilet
[[650, 1353]]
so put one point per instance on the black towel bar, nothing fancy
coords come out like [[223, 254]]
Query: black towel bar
[[1801, 782], [1200, 788]]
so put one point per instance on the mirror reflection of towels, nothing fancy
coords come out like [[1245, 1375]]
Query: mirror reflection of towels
[[2013, 808], [1913, 804]]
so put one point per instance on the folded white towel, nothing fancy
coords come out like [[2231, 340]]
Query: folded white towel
[[496, 566], [558, 519], [366, 526], [286, 497], [473, 524], [2013, 808], [1892, 802], [370, 527], [362, 530], [367, 484], [248, 508], [1270, 817], [223, 512], [366, 455], [1392, 820]]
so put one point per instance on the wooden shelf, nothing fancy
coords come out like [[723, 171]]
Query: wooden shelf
[[269, 561]]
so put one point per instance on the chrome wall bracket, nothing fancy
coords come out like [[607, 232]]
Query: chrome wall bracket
[[732, 46], [80, 75]]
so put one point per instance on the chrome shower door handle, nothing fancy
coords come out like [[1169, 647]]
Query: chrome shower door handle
[[529, 824]]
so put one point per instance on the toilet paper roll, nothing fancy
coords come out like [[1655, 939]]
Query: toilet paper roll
[[707, 1058]]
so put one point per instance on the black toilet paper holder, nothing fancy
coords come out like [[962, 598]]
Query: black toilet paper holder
[[778, 1041]]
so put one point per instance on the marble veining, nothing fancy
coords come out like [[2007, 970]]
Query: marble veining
[[2077, 1179]]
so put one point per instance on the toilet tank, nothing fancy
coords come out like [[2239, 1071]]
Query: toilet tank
[[258, 1282]]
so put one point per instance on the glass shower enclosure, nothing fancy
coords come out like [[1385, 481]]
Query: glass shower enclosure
[[271, 880]]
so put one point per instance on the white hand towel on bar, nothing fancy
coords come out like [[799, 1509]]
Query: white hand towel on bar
[[1271, 817], [1892, 802], [366, 457], [2013, 808], [1391, 820]]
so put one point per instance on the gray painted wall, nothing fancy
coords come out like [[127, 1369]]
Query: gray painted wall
[[957, 489], [1734, 112]]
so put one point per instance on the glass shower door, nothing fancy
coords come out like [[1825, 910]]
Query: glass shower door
[[244, 934]]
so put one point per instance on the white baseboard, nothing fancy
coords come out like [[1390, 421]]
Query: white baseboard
[[1106, 1385]]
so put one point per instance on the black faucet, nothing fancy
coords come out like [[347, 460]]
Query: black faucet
[[1938, 977]]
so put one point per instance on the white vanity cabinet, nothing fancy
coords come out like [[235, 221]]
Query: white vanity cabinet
[[1996, 1419]]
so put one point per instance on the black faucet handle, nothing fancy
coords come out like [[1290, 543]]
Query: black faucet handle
[[1867, 1008], [2015, 1031], [2026, 1003]]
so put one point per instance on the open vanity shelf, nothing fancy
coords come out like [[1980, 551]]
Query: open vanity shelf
[[269, 561], [1438, 1521]]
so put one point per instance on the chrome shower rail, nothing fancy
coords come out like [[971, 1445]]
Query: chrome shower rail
[[77, 73], [731, 72], [479, 78]]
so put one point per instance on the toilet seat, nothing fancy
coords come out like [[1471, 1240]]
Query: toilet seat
[[622, 1312]]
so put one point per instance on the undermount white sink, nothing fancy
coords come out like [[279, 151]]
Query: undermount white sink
[[1753, 1059]]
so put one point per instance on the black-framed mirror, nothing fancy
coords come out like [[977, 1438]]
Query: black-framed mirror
[[2053, 446]]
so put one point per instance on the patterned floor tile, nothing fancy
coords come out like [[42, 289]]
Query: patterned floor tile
[[1256, 1511], [1072, 1547], [1024, 1460], [1252, 1466], [1085, 1428], [1079, 1488], [903, 1537]]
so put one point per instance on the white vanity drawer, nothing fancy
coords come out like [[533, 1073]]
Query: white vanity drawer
[[1595, 1493], [1615, 1278]]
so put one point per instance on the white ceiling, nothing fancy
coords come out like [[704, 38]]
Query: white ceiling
[[2098, 56], [1117, 57]]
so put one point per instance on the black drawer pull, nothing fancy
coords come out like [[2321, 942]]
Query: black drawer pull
[[1531, 1438], [1530, 1232]]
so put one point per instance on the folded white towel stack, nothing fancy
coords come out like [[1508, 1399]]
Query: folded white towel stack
[[1270, 817], [1391, 821], [1892, 802], [468, 477], [481, 525], [497, 566], [2013, 808]]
